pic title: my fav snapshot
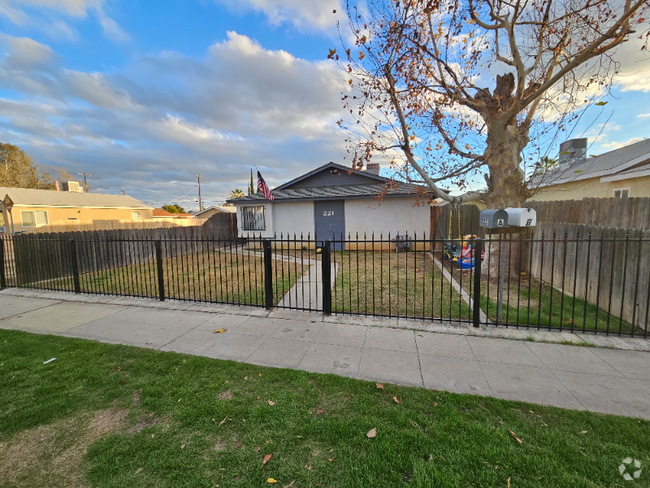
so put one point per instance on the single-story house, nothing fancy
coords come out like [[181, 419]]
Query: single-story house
[[37, 208], [334, 201], [163, 215], [209, 212], [622, 173]]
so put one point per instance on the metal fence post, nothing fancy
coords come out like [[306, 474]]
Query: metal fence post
[[161, 276], [75, 266], [268, 274], [478, 250], [326, 261], [3, 282]]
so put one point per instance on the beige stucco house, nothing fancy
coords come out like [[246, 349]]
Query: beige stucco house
[[622, 173], [38, 208]]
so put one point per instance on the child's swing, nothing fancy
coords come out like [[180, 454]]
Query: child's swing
[[461, 251], [452, 249]]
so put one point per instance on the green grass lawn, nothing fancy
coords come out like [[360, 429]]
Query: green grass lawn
[[116, 416], [229, 276], [394, 284], [527, 301]]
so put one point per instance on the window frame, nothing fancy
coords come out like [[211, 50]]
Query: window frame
[[133, 217], [621, 190], [244, 221], [35, 223]]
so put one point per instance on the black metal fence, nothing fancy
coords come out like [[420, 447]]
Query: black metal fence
[[570, 282]]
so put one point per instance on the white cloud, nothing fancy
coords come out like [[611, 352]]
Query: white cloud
[[643, 116], [617, 145], [149, 127], [634, 73], [16, 12], [303, 14]]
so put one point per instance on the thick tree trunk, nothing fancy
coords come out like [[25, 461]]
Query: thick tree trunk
[[503, 156]]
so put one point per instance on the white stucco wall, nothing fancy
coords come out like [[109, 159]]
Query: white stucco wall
[[293, 217], [281, 218], [394, 215]]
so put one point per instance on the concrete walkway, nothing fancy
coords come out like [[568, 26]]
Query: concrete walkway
[[585, 378]]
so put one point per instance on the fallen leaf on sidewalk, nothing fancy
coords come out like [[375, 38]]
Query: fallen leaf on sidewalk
[[372, 434], [515, 437], [267, 458], [271, 403], [220, 331], [380, 386], [395, 399]]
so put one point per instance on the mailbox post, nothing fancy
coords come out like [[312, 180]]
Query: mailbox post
[[502, 219]]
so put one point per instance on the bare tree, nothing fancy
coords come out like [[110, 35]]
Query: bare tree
[[452, 88]]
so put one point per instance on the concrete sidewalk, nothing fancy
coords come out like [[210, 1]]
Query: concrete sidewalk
[[585, 378]]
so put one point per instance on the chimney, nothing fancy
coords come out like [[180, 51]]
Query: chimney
[[571, 151], [373, 168], [56, 184]]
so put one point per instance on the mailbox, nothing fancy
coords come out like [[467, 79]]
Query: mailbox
[[522, 217], [494, 219]]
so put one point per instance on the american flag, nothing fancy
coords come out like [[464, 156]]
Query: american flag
[[263, 187]]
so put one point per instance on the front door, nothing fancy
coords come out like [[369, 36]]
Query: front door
[[330, 221]]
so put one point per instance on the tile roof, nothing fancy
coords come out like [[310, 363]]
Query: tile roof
[[607, 164], [159, 212], [332, 193], [52, 198]]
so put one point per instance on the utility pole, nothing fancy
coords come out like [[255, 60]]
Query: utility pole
[[85, 175], [198, 177]]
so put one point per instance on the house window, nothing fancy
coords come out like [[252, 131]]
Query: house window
[[36, 218], [135, 215], [253, 218], [622, 193]]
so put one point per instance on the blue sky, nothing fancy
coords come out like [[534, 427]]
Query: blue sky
[[144, 94]]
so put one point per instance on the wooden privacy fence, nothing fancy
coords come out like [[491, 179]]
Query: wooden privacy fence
[[51, 255], [628, 213], [609, 267], [96, 225]]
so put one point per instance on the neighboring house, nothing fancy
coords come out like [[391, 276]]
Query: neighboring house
[[183, 216], [333, 201], [163, 215], [622, 173], [37, 208], [209, 212]]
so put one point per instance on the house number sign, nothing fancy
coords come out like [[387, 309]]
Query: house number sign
[[328, 213]]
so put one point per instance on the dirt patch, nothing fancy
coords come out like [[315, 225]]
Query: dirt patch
[[225, 395], [219, 446], [51, 455], [136, 396]]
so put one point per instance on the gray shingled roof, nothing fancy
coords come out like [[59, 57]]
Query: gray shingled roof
[[51, 198], [607, 164], [332, 193]]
